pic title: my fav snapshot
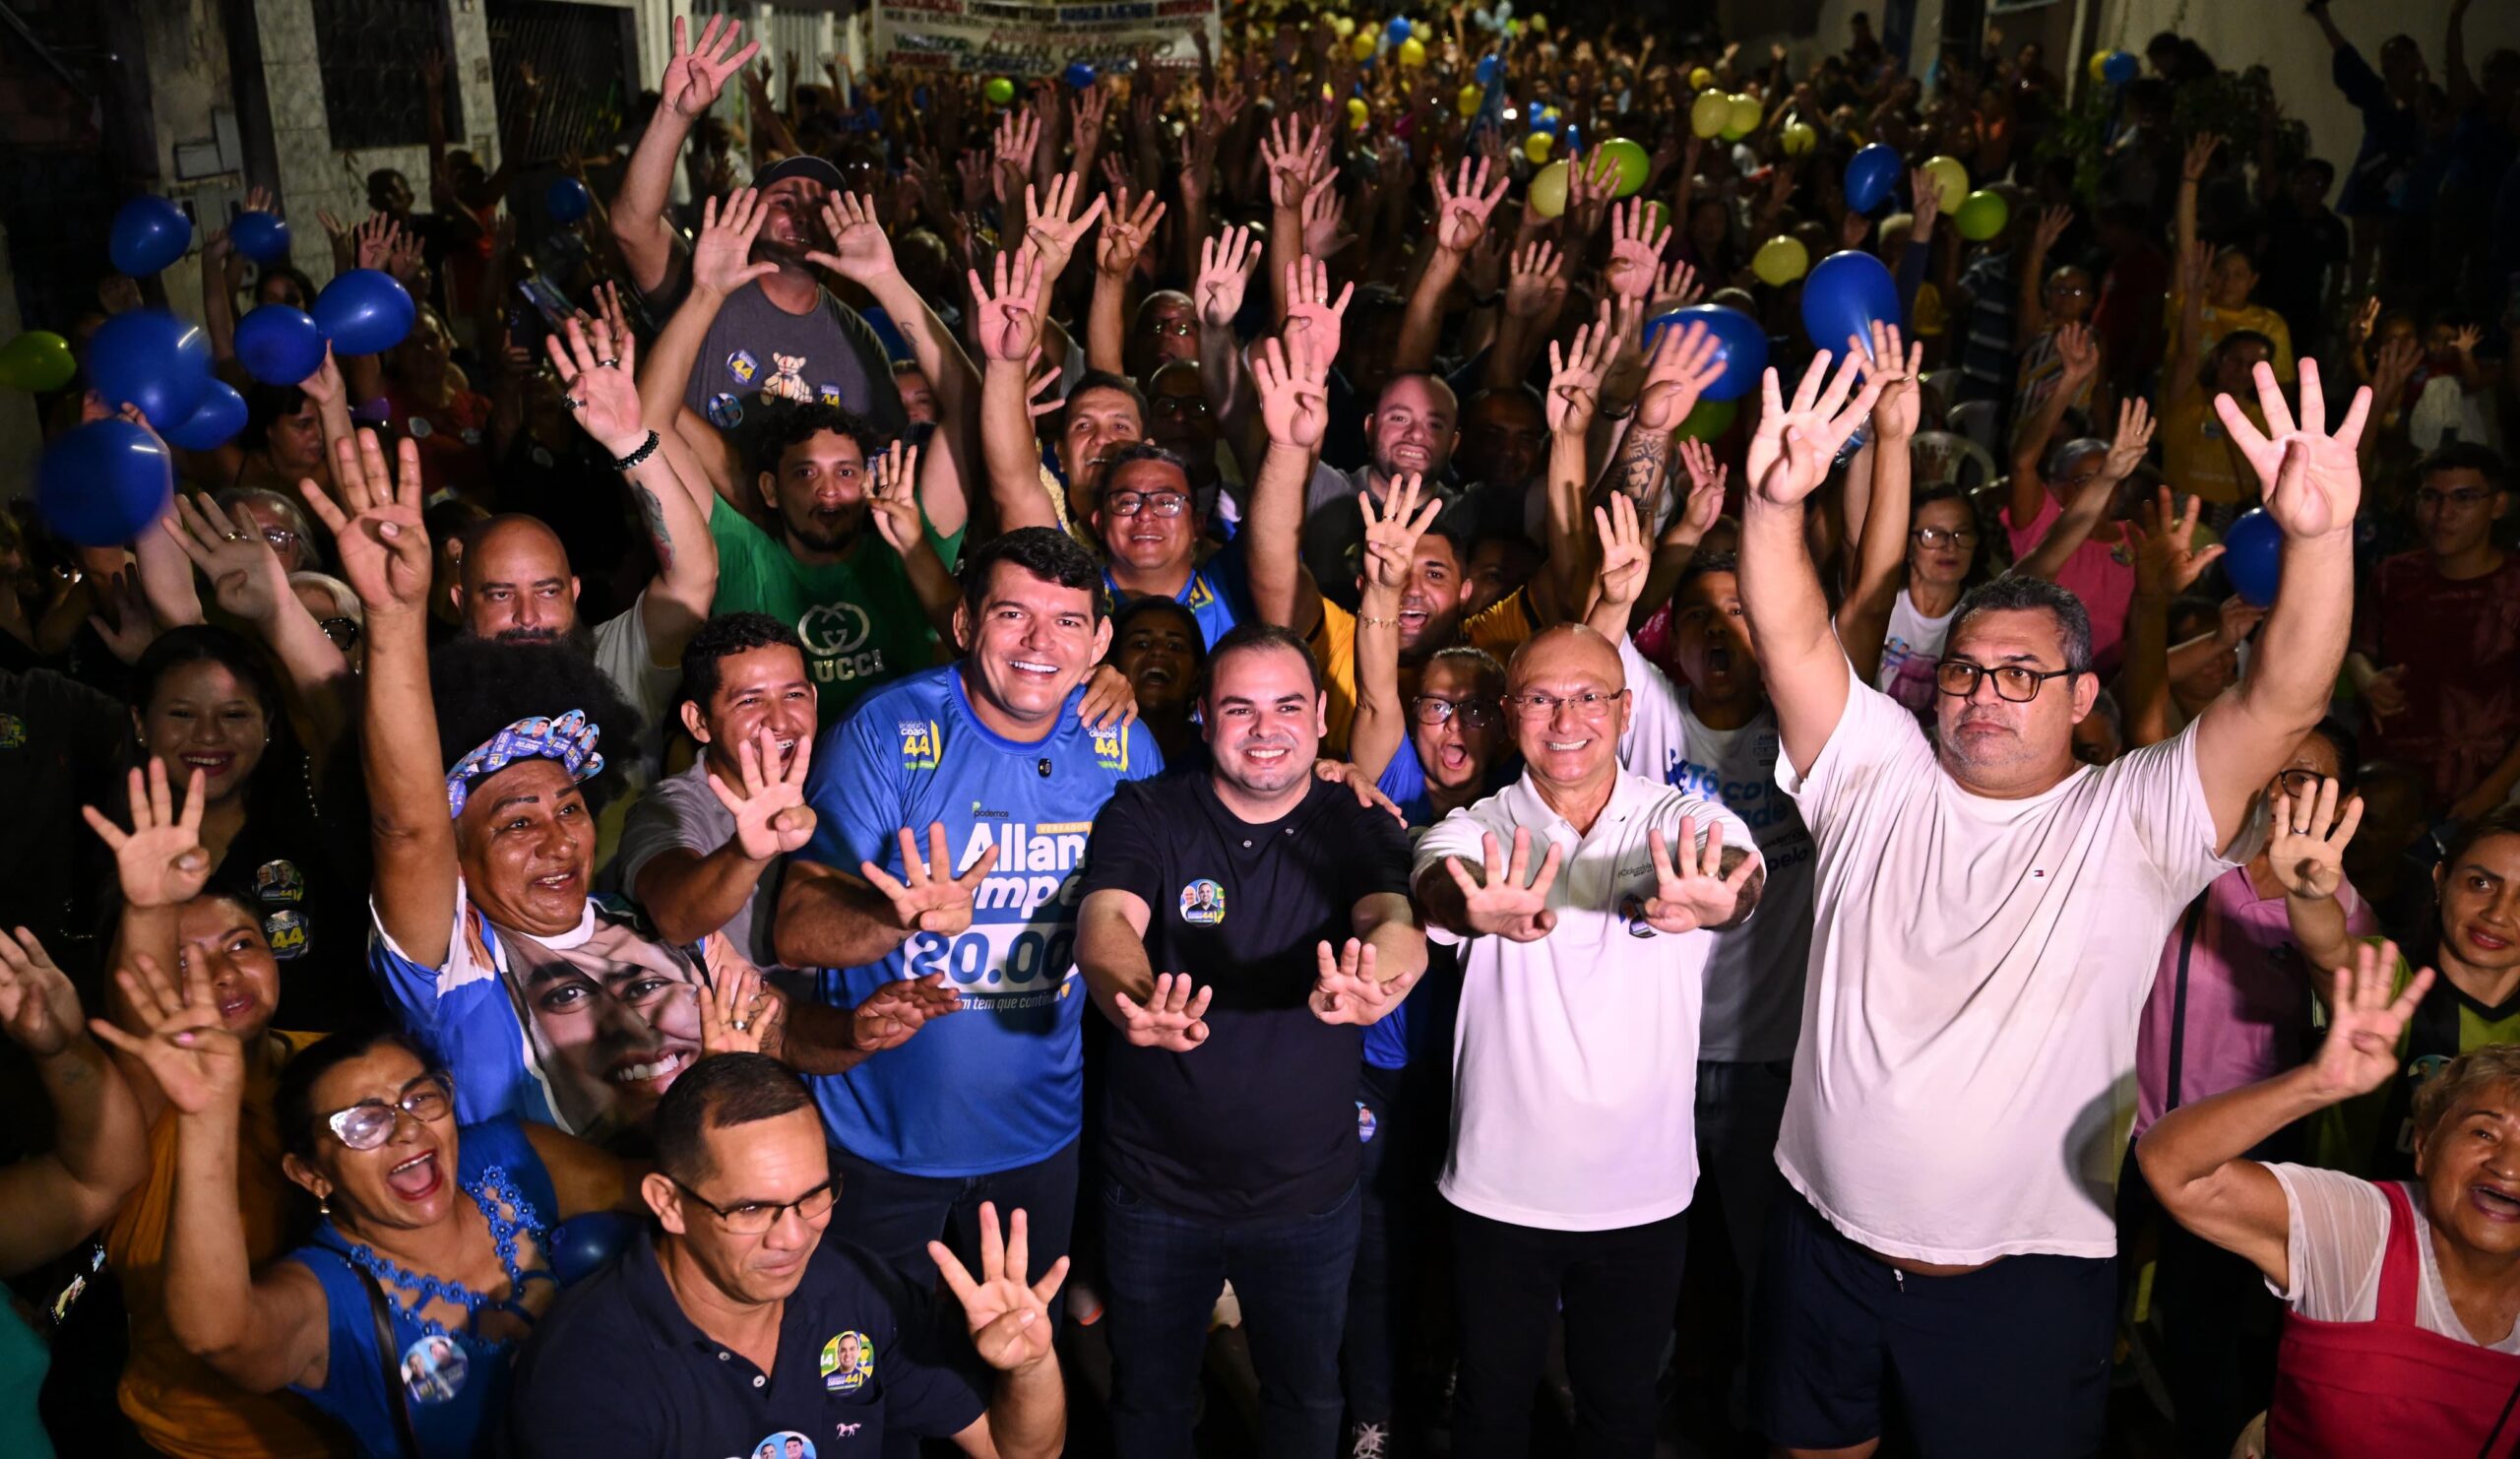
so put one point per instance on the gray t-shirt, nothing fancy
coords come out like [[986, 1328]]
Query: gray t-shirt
[[758, 356], [682, 810]]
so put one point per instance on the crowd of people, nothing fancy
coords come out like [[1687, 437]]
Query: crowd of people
[[1180, 761]]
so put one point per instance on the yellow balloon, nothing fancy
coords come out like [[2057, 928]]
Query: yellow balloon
[[1950, 182], [1798, 138], [1363, 47], [1357, 114], [1547, 193], [1700, 79], [1343, 26], [1467, 103], [1536, 147], [2099, 64], [1710, 113], [1781, 260], [1539, 23], [1746, 114], [1327, 95], [1412, 52]]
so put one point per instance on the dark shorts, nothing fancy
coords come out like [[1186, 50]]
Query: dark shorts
[[2011, 1360]]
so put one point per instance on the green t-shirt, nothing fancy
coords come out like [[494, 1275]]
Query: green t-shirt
[[2372, 1136], [862, 624]]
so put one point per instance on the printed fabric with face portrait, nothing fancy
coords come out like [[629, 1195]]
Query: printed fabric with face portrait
[[585, 1030]]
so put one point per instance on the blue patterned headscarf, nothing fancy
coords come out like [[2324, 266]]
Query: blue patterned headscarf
[[570, 740]]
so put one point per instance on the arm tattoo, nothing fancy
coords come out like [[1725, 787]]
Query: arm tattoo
[[1734, 857], [652, 512], [1641, 466]]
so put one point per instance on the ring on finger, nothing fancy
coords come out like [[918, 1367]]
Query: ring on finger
[[606, 364]]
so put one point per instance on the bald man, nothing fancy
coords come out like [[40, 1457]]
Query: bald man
[[1586, 900], [512, 583]]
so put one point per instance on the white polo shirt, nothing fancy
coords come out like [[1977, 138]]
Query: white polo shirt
[[1575, 1058], [1967, 1070]]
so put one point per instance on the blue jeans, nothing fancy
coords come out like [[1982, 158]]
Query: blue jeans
[[894, 1216], [1166, 1270]]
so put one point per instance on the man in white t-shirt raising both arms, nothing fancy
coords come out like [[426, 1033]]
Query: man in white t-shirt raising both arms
[[1987, 918]]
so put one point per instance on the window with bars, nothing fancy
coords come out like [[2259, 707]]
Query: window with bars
[[370, 53], [569, 68]]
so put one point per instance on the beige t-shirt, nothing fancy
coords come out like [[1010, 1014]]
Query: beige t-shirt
[[1965, 1074], [2337, 1233]]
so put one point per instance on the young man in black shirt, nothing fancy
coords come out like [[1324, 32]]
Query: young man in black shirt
[[1276, 911]]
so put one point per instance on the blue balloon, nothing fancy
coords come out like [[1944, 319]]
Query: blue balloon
[[365, 312], [1488, 67], [1397, 30], [567, 200], [1870, 176], [150, 358], [1078, 76], [1843, 295], [2253, 557], [260, 236], [1740, 345], [585, 1244], [1573, 136], [1542, 122], [149, 233], [102, 485], [2120, 68], [215, 421], [279, 345]]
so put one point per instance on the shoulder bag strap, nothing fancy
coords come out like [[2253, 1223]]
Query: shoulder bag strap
[[394, 1392], [2179, 1000]]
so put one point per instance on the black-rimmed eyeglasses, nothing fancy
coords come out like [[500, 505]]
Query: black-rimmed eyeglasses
[[1958, 678]]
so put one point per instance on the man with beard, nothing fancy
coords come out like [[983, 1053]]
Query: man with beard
[[1413, 428], [1263, 890], [952, 811], [781, 334], [1103, 414], [513, 581], [1292, 384]]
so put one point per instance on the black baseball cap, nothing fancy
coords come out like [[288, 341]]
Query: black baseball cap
[[806, 165]]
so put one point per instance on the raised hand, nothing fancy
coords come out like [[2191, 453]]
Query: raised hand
[[2200, 157], [1512, 900], [892, 497], [1325, 218], [1895, 410], [735, 1013], [1310, 310], [1693, 890], [2364, 1023], [245, 575], [2165, 562], [599, 383], [2310, 478], [1461, 209], [1173, 1017], [1393, 526], [1294, 152], [698, 73], [1636, 247], [1790, 453], [1681, 370], [1676, 286], [1050, 232], [199, 1065], [1039, 379], [1009, 1320], [375, 240], [132, 627], [2306, 844], [860, 250], [1225, 265], [2079, 350], [1008, 322], [159, 860], [377, 531], [1019, 136], [887, 1017], [2134, 437], [1292, 383], [39, 1007], [771, 815], [1125, 231], [2051, 227], [1346, 990], [1706, 480], [1532, 281], [1625, 555], [1588, 193], [1575, 375], [931, 899]]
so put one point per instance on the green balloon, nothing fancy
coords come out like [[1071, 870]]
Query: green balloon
[[999, 91], [1982, 216], [1710, 418], [1632, 163], [37, 360]]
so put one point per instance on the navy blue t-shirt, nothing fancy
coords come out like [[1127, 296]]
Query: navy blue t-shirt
[[617, 1369], [999, 1084], [1260, 1121]]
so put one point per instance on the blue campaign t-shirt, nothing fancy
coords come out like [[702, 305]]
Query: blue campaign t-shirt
[[1217, 594], [1002, 1083]]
